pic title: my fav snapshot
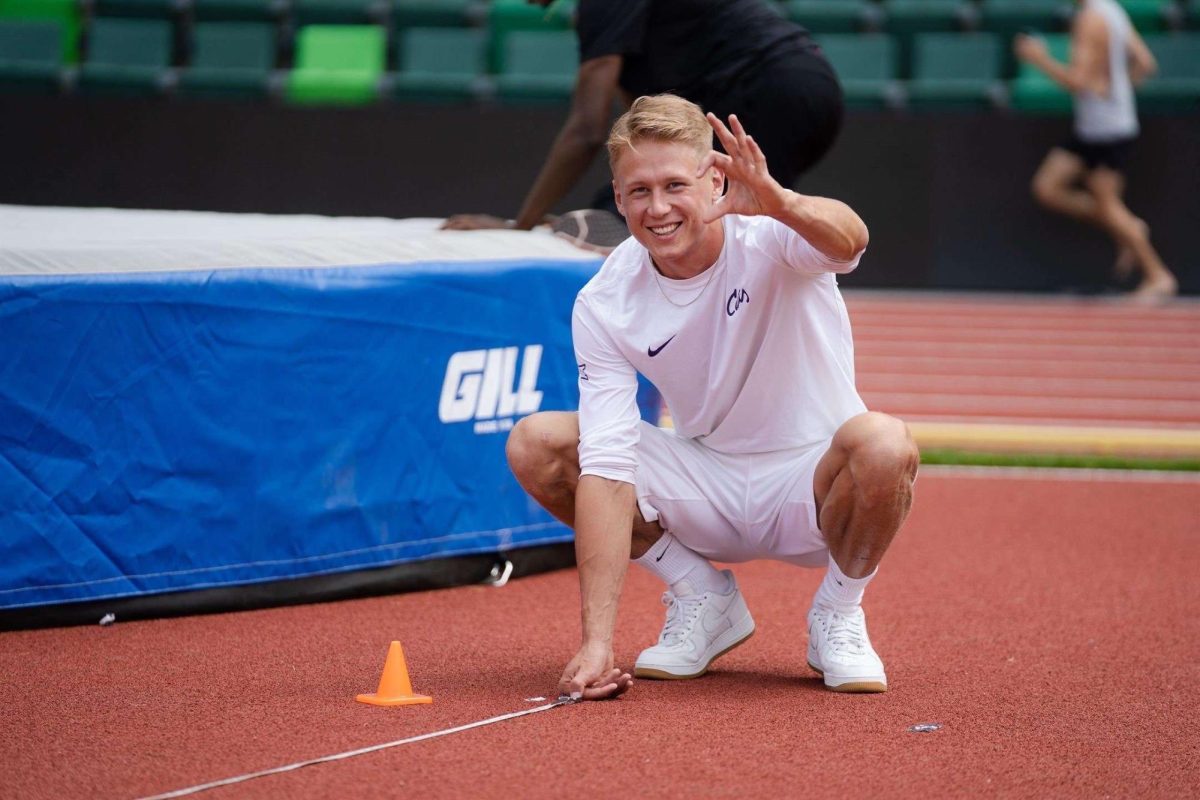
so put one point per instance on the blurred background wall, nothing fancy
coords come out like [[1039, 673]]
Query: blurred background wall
[[946, 194]]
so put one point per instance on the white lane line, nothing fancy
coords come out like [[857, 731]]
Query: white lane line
[[1112, 354], [979, 365], [562, 701], [1102, 334], [1048, 387]]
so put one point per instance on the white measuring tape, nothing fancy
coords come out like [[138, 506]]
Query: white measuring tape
[[561, 701]]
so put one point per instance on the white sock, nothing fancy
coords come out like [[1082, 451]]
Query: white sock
[[685, 571], [839, 591]]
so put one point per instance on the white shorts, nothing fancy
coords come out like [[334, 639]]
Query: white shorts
[[732, 507]]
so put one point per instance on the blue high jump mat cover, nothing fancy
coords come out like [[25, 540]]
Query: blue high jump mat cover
[[195, 400]]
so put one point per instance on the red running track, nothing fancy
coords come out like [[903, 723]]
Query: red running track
[[1047, 623], [1055, 361]]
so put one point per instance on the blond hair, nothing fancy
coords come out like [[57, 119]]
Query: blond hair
[[660, 117]]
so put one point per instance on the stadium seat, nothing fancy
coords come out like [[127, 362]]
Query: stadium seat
[[956, 70], [30, 56], [905, 19], [340, 12], [127, 56], [440, 64], [1033, 91], [437, 13], [1149, 16], [508, 16], [1010, 17], [866, 67], [230, 59], [538, 66], [834, 16], [239, 10], [338, 64], [1176, 87], [65, 12], [148, 9]]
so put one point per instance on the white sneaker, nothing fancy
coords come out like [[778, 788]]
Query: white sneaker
[[840, 650], [699, 628]]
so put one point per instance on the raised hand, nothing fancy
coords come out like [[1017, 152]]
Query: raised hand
[[1030, 49], [591, 676], [752, 191]]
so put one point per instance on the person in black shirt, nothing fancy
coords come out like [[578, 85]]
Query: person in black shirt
[[727, 56]]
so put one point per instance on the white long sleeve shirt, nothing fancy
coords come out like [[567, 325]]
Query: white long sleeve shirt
[[753, 355]]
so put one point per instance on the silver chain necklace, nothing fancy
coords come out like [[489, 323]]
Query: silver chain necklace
[[667, 297]]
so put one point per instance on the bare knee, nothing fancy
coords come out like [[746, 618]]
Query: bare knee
[[883, 457], [1045, 190], [543, 448]]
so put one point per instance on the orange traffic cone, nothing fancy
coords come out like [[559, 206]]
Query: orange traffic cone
[[395, 689]]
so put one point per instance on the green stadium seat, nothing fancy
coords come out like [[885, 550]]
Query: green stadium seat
[[1010, 17], [230, 59], [866, 67], [340, 12], [65, 12], [30, 56], [905, 19], [127, 56], [338, 64], [834, 16], [437, 13], [1149, 16], [956, 70], [1032, 91], [441, 64], [239, 10], [508, 16], [539, 66], [148, 9], [1176, 86]]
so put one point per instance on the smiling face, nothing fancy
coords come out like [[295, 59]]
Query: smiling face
[[664, 202]]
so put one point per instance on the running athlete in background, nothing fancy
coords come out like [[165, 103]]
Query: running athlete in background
[[728, 56], [1084, 178], [727, 302]]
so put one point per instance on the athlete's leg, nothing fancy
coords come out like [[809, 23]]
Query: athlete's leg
[[706, 614], [863, 490], [1056, 186], [543, 453], [863, 487], [1106, 185]]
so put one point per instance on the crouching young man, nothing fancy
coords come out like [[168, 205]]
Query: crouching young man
[[728, 303]]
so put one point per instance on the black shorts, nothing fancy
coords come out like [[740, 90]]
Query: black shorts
[[1112, 154], [792, 106]]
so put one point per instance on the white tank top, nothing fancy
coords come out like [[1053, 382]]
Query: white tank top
[[1103, 118]]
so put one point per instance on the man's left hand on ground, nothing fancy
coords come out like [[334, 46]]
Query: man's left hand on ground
[[590, 675], [752, 191]]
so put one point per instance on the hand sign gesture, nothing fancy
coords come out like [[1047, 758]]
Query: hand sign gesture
[[752, 191]]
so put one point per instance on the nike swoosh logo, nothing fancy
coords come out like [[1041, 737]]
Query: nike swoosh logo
[[668, 547], [653, 351], [723, 624]]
